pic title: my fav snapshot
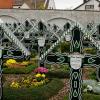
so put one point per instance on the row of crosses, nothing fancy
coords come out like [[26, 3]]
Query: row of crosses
[[76, 61]]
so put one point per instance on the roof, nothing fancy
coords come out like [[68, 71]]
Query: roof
[[84, 3], [31, 3], [6, 4]]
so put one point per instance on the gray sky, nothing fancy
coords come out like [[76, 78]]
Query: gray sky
[[67, 4]]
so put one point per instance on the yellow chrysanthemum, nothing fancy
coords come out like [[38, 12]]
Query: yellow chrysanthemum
[[43, 75], [15, 85], [36, 84], [10, 61], [27, 81], [38, 75]]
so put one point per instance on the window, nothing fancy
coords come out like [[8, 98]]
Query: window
[[89, 7]]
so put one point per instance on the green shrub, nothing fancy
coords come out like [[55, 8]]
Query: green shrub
[[58, 74], [89, 50], [59, 71], [40, 93], [65, 47], [24, 70], [84, 86], [55, 49], [62, 47], [92, 75]]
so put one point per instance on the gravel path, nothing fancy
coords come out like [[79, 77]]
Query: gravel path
[[62, 92], [65, 89]]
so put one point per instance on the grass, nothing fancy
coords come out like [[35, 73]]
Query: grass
[[40, 93], [91, 97], [87, 97], [24, 70]]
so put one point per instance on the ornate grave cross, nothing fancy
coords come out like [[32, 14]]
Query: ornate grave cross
[[1, 73], [77, 60]]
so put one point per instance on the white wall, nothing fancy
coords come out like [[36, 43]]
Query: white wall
[[81, 17], [91, 2], [60, 22], [8, 19]]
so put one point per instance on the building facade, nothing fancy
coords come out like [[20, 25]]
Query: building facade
[[27, 4], [89, 5]]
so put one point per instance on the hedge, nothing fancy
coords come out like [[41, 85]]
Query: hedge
[[87, 97], [89, 50], [62, 71], [24, 70], [59, 74], [40, 93]]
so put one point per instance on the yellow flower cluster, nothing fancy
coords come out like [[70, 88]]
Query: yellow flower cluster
[[36, 84], [15, 85], [10, 61], [27, 81], [30, 81], [40, 75], [25, 63]]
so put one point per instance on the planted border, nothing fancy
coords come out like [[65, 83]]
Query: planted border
[[25, 70], [40, 93], [58, 74]]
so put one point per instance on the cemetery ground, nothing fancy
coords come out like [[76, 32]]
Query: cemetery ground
[[24, 80]]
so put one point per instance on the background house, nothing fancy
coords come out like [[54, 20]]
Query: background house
[[28, 4], [6, 4], [89, 5]]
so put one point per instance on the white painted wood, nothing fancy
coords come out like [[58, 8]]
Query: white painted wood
[[91, 2], [25, 6]]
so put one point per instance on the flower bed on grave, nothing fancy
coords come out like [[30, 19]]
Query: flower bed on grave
[[38, 78], [12, 63], [31, 81], [43, 92], [36, 86], [11, 66]]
